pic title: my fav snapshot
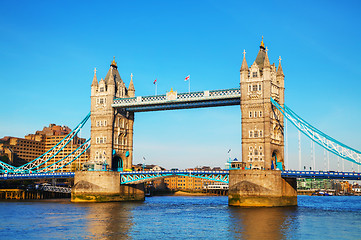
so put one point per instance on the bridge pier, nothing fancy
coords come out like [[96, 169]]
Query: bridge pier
[[93, 186], [261, 188]]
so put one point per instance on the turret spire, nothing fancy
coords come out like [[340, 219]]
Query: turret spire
[[262, 44], [95, 80], [261, 55], [111, 80], [114, 64], [266, 60], [131, 84], [244, 66], [280, 70]]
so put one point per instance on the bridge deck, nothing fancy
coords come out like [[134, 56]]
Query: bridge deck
[[142, 175], [216, 98]]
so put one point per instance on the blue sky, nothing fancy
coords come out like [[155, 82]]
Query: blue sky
[[49, 50]]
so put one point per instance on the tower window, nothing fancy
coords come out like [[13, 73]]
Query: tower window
[[256, 134], [254, 74], [260, 113], [249, 88], [250, 133], [101, 100], [259, 87], [254, 87], [255, 114], [250, 114], [101, 89]]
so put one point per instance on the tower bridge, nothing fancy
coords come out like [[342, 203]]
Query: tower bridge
[[261, 178]]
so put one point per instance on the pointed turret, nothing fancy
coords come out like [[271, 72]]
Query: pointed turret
[[114, 64], [131, 89], [280, 70], [266, 63], [95, 80], [261, 55], [244, 66], [111, 77]]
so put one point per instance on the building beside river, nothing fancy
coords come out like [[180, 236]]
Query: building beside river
[[18, 151]]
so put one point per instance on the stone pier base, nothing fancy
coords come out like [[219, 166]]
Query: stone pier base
[[92, 186], [261, 188]]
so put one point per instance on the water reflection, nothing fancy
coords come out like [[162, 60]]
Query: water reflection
[[109, 220], [263, 223]]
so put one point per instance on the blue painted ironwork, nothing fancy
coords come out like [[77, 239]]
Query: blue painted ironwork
[[35, 164], [216, 98], [322, 139], [36, 176], [219, 176], [145, 176], [322, 175]]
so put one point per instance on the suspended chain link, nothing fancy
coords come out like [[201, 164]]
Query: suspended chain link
[[50, 154], [322, 139]]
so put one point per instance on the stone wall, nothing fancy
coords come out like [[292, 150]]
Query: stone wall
[[261, 188], [92, 186]]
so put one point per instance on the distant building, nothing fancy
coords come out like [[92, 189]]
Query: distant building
[[152, 167], [22, 150], [190, 183]]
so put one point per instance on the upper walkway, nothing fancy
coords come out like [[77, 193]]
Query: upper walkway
[[173, 100]]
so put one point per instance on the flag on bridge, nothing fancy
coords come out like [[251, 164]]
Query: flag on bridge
[[155, 84]]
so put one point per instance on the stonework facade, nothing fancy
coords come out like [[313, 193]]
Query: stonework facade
[[262, 123], [111, 129]]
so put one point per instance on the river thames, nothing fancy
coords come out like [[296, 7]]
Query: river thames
[[176, 217]]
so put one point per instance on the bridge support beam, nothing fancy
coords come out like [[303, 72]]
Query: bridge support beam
[[261, 188], [92, 186]]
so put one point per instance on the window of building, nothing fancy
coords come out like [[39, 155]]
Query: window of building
[[255, 114], [260, 133], [260, 114], [250, 114], [97, 123], [249, 88], [256, 152], [101, 100], [105, 122], [101, 89], [250, 133], [256, 134], [254, 74], [254, 87], [259, 87]]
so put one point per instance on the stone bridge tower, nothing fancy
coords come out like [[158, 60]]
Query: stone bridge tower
[[111, 130], [262, 123], [262, 139]]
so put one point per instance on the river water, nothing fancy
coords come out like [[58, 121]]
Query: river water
[[175, 217]]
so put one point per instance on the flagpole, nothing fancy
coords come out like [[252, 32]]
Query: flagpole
[[156, 83], [189, 86]]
